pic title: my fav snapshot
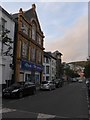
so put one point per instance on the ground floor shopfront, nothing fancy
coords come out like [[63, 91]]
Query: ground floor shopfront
[[30, 72]]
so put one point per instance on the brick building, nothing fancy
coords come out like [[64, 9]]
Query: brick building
[[29, 46]]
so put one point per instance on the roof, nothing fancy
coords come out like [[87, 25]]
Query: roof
[[29, 14], [57, 52], [6, 13], [49, 55]]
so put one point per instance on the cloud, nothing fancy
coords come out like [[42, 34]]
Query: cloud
[[74, 43]]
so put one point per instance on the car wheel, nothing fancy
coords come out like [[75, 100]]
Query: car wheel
[[50, 88], [20, 95], [34, 91]]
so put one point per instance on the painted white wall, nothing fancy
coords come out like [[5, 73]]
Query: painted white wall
[[52, 65], [6, 60], [53, 68]]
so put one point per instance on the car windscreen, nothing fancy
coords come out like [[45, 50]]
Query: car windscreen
[[15, 86], [44, 82]]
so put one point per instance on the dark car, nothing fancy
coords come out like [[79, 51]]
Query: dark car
[[19, 90], [58, 83], [88, 85]]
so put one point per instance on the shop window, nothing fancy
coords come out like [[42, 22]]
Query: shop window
[[37, 78], [28, 77], [47, 78], [21, 77]]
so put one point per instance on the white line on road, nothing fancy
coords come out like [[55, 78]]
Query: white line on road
[[40, 115], [5, 110]]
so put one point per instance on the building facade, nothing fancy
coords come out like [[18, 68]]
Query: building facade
[[49, 64], [58, 55], [6, 23], [29, 47]]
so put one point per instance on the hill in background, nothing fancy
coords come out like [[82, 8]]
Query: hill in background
[[79, 63]]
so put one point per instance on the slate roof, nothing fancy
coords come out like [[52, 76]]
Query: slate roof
[[29, 14], [6, 13]]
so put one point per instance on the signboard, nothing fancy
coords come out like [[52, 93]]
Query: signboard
[[30, 66]]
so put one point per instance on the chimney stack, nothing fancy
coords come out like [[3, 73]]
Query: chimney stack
[[33, 6], [20, 11]]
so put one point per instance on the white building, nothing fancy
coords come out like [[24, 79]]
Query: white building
[[6, 22], [49, 66]]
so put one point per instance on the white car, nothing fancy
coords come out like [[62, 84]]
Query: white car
[[47, 85], [80, 80]]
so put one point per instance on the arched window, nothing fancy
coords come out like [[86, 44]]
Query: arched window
[[33, 31]]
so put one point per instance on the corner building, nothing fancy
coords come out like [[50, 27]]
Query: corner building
[[29, 47]]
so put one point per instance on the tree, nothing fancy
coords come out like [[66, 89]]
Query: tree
[[87, 69], [71, 73], [6, 41]]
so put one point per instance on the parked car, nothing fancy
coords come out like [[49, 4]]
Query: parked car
[[87, 82], [19, 90], [74, 80], [88, 85], [47, 85], [58, 83], [80, 80]]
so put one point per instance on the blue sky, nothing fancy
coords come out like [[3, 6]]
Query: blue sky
[[65, 26]]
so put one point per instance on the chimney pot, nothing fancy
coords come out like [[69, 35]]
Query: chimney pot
[[33, 6]]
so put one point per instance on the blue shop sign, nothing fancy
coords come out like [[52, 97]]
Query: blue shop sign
[[30, 66]]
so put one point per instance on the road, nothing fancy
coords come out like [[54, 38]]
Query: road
[[68, 102]]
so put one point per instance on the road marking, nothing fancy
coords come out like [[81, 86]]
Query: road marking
[[5, 110], [40, 115]]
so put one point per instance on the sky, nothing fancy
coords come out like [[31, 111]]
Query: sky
[[64, 24]]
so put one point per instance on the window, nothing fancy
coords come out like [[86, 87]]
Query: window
[[3, 24], [24, 28], [44, 70], [33, 54], [47, 78], [44, 59], [20, 49], [47, 69], [28, 77], [39, 57], [33, 31], [38, 39], [24, 50], [47, 60]]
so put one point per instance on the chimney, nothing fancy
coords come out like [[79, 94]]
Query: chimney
[[33, 6], [20, 11]]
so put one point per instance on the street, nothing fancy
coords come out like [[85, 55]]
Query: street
[[67, 102]]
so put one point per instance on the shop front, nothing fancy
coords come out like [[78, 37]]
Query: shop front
[[31, 72]]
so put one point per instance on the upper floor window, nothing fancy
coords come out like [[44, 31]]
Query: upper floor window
[[47, 69], [39, 41], [24, 28], [33, 31], [24, 50], [33, 54], [3, 22], [47, 60]]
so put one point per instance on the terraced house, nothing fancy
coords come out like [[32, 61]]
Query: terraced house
[[6, 46], [29, 46]]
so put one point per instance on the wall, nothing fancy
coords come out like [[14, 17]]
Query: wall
[[6, 60]]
